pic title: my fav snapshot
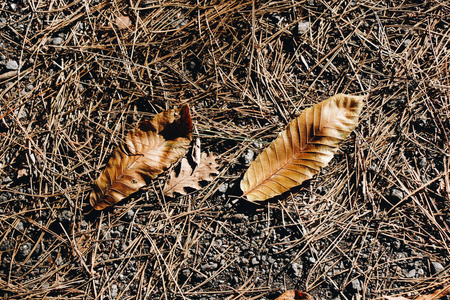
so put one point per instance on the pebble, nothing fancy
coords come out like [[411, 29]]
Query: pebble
[[255, 261], [223, 188], [57, 41], [114, 290], [248, 156], [411, 274], [396, 245], [396, 194], [436, 267], [20, 226], [356, 285], [303, 27], [297, 269], [29, 87], [12, 65], [24, 250], [65, 216], [186, 273], [6, 180], [422, 162], [129, 215]]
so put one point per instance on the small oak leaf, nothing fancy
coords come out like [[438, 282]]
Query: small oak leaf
[[187, 177]]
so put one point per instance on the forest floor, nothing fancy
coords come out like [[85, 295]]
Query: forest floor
[[75, 76]]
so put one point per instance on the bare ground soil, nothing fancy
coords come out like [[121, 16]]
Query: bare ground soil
[[73, 81]]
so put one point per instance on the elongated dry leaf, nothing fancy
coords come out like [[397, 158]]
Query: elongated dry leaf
[[294, 295], [303, 149], [147, 151], [189, 176]]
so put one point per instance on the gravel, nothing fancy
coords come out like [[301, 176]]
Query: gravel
[[436, 267], [12, 65]]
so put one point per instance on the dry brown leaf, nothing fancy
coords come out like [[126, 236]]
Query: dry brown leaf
[[303, 149], [147, 151], [189, 177], [294, 295], [123, 22]]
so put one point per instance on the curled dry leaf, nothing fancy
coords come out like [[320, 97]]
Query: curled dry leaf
[[147, 151], [294, 295], [191, 176], [303, 149]]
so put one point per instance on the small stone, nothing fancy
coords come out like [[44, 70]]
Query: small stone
[[20, 226], [411, 274], [312, 260], [297, 269], [422, 162], [6, 180], [356, 285], [209, 266], [84, 224], [396, 195], [255, 261], [114, 290], [248, 156], [303, 27], [436, 267], [223, 188], [185, 273], [65, 216], [217, 243], [24, 250], [129, 216], [57, 41], [12, 65]]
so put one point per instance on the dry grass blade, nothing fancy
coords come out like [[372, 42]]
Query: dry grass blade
[[148, 150], [303, 149]]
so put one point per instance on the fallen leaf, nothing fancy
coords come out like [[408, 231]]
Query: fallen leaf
[[294, 295], [395, 298], [123, 22], [303, 149], [147, 151], [189, 176]]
